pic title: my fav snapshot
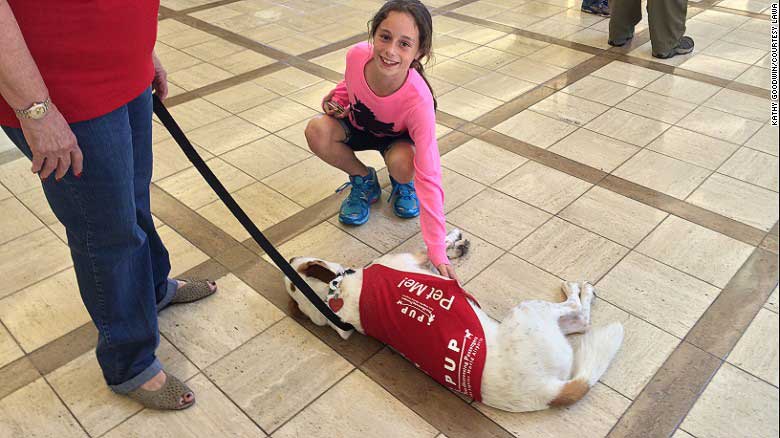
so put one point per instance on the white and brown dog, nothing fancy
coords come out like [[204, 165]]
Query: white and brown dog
[[524, 363]]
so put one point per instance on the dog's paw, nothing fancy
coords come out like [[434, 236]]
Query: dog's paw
[[458, 249]]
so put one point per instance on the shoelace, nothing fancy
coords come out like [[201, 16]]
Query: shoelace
[[404, 191], [354, 195]]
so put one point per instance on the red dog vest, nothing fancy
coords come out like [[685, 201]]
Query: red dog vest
[[429, 321]]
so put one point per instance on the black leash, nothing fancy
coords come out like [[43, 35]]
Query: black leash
[[172, 127]]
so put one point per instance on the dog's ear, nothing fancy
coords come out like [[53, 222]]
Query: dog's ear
[[317, 269]]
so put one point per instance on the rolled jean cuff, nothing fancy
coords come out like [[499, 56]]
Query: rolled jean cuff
[[140, 379], [169, 294]]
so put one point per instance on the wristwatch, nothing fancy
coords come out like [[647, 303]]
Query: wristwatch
[[35, 111]]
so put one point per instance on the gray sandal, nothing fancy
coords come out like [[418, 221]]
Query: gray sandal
[[193, 290], [168, 397]]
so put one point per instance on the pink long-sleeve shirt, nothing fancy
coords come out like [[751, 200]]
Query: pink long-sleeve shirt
[[409, 109]]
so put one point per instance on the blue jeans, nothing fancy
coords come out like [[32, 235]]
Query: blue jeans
[[121, 264]]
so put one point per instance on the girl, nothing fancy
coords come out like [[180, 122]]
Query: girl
[[385, 103]]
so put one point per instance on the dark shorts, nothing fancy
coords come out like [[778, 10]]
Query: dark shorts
[[359, 140]]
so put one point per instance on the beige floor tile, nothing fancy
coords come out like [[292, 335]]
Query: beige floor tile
[[4, 193], [498, 218], [287, 80], [765, 62], [242, 62], [591, 37], [265, 157], [297, 44], [37, 203], [45, 311], [207, 330], [278, 373], [265, 207], [569, 252], [478, 34], [765, 140], [682, 88], [327, 242], [628, 74], [312, 96], [445, 25], [692, 147], [664, 174], [531, 71], [704, 30], [190, 188], [480, 10], [613, 216], [212, 415], [560, 56], [754, 167], [542, 186], [277, 114], [756, 76], [703, 253], [466, 104], [307, 181], [296, 134], [535, 129], [595, 150], [569, 108], [17, 177], [643, 352], [510, 281], [184, 255], [212, 49], [661, 295], [197, 113], [756, 352], [169, 159], [738, 200], [198, 76], [81, 386], [385, 230], [170, 26], [575, 15], [656, 106], [35, 411], [175, 60], [226, 134], [517, 44], [269, 32], [441, 86], [600, 90], [516, 19], [735, 52], [721, 18], [713, 66], [479, 256], [627, 127], [241, 97], [772, 302], [51, 256], [594, 415], [679, 433], [16, 220], [456, 72], [185, 38], [336, 61], [457, 189], [745, 38], [487, 57], [9, 349], [734, 404], [450, 46], [740, 104], [498, 86], [482, 161], [320, 419], [216, 14], [554, 28]]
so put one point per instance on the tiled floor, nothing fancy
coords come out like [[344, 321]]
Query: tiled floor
[[561, 160]]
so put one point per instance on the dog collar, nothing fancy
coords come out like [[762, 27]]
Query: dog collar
[[334, 293]]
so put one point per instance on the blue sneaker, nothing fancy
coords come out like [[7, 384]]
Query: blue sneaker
[[406, 204], [365, 191]]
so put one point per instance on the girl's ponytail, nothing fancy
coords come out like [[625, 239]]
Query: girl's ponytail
[[417, 65]]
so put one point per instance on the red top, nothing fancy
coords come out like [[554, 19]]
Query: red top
[[94, 56], [429, 321]]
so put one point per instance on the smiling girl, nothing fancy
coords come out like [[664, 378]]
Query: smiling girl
[[385, 104]]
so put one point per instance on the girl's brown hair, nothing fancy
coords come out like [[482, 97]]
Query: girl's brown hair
[[424, 22]]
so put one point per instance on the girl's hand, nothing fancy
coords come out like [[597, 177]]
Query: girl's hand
[[448, 271], [327, 109]]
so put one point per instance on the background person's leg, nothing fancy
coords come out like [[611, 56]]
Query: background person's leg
[[667, 24], [625, 14]]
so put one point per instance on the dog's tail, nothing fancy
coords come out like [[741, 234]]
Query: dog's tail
[[592, 355]]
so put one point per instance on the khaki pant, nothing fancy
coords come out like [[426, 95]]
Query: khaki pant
[[666, 19]]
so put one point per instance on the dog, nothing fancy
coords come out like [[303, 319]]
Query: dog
[[523, 363]]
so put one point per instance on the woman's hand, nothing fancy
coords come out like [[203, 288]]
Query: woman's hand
[[160, 81], [53, 145], [447, 271]]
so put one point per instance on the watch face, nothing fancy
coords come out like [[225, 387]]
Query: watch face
[[38, 112]]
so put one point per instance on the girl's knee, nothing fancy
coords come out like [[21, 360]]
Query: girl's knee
[[318, 134]]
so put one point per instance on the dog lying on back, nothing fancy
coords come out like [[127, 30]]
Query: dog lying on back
[[524, 363]]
